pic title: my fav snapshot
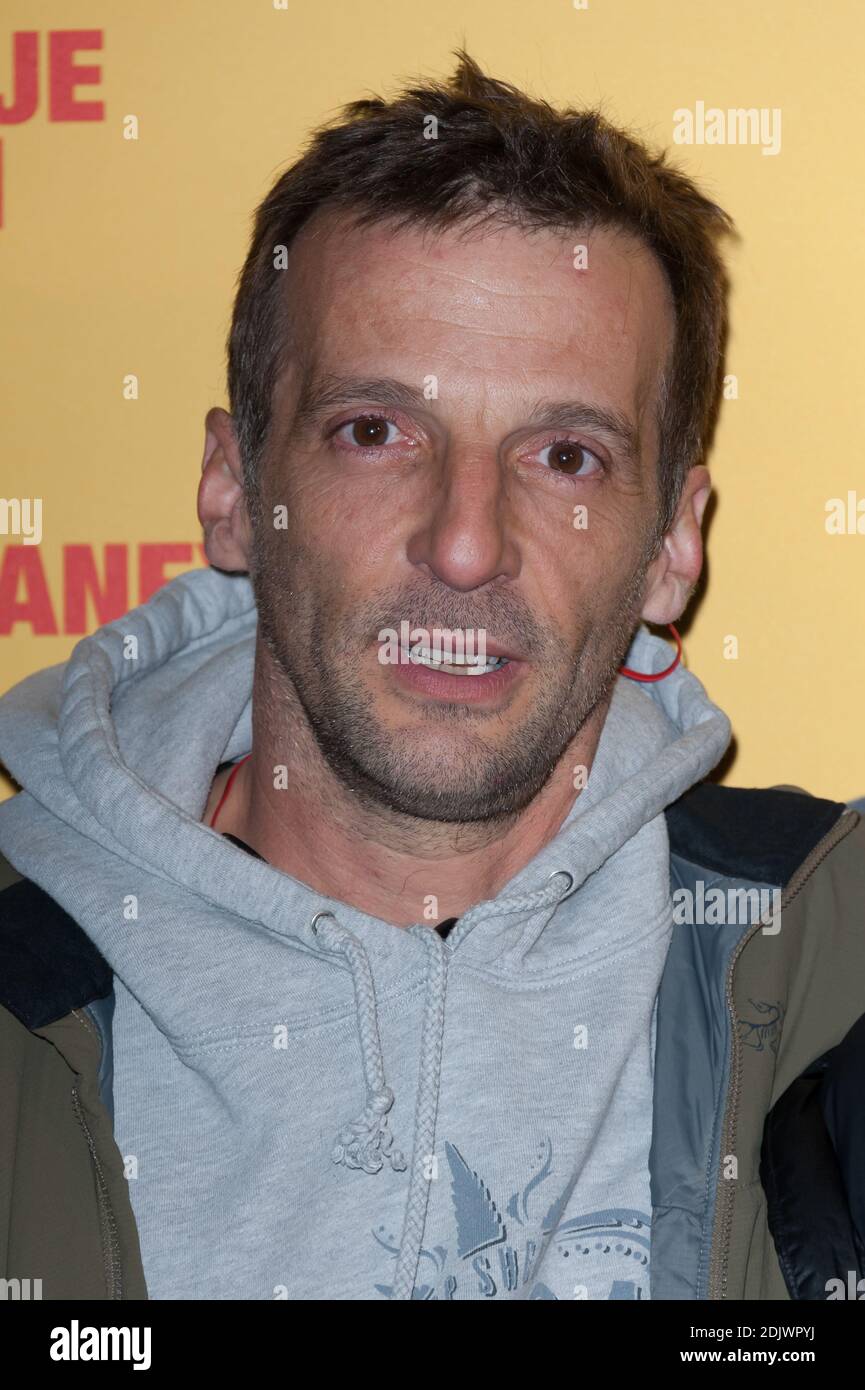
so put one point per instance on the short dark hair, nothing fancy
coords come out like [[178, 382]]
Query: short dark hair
[[497, 155]]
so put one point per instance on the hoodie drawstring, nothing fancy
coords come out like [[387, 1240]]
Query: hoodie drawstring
[[366, 1142], [425, 1113]]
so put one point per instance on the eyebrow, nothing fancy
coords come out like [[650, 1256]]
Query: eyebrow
[[330, 392]]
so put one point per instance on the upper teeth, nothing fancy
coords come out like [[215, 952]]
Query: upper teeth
[[456, 665]]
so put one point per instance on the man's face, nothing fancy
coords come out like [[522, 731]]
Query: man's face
[[519, 391]]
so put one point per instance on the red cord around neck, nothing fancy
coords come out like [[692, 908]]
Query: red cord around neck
[[227, 789], [659, 675]]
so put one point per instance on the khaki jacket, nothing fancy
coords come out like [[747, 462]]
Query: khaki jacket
[[743, 1009]]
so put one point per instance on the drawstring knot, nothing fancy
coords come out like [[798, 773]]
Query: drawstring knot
[[366, 1141]]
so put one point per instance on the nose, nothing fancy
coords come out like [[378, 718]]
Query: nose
[[465, 538]]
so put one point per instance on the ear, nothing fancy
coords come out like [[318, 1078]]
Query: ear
[[673, 574], [222, 507]]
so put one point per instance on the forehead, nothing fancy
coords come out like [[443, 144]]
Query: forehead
[[493, 308]]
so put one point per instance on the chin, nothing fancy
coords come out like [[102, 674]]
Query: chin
[[457, 807], [437, 789]]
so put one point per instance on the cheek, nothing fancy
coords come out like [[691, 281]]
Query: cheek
[[587, 595], [319, 569], [593, 563], [344, 515]]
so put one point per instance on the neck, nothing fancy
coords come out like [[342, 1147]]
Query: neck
[[394, 867]]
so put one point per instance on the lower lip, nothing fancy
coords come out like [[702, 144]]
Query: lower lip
[[464, 690]]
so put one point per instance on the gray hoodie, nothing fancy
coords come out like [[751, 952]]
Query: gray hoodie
[[313, 1103]]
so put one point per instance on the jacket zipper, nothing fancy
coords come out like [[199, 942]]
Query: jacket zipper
[[718, 1264], [108, 1223]]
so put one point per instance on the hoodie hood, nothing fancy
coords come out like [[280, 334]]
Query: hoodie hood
[[115, 752]]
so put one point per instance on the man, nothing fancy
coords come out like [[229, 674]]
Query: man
[[353, 952]]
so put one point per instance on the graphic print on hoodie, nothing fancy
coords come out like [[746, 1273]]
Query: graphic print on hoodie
[[316, 1104]]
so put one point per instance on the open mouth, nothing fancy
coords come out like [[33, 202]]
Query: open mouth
[[454, 665], [461, 673]]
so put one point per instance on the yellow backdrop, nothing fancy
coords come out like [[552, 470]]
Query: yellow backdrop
[[127, 191]]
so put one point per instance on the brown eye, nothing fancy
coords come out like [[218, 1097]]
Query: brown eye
[[571, 458], [370, 432], [567, 458]]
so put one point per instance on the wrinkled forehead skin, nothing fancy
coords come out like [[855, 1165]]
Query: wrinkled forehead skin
[[500, 316]]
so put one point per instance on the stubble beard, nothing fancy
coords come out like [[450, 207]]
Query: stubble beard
[[404, 772]]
